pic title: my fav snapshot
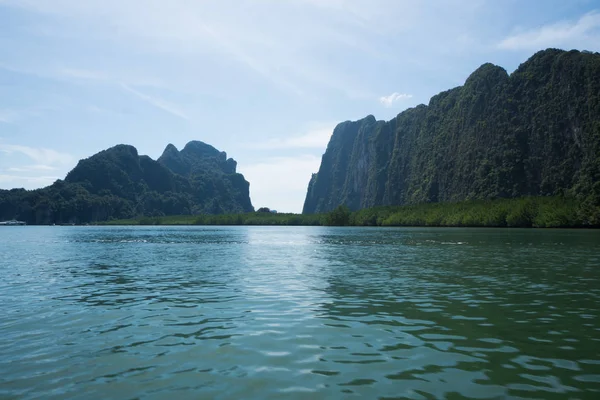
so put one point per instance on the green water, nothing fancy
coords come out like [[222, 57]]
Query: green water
[[298, 312]]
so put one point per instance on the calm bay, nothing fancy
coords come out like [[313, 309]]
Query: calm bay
[[299, 312]]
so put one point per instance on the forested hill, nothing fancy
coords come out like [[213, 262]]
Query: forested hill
[[535, 132], [119, 183]]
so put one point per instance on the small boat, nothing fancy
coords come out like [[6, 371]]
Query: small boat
[[12, 223]]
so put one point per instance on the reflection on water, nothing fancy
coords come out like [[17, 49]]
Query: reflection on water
[[299, 312]]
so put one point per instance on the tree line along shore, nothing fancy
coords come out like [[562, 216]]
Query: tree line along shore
[[525, 212]]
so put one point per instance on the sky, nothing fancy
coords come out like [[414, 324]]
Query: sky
[[264, 80]]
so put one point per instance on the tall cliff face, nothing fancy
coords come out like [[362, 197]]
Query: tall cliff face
[[119, 183], [121, 171], [212, 176], [535, 132], [196, 158]]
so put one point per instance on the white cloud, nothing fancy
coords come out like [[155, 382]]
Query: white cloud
[[33, 176], [267, 37], [583, 33], [315, 138], [388, 101], [27, 182], [280, 183], [157, 102], [85, 74], [32, 168], [40, 155], [9, 116], [130, 76]]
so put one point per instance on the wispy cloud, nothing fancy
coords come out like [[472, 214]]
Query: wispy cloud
[[9, 116], [16, 115], [157, 102], [316, 138], [32, 168], [389, 101], [40, 155], [84, 74], [582, 33], [279, 48], [48, 166], [27, 182], [131, 76]]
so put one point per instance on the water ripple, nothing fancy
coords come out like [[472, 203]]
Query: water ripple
[[271, 312]]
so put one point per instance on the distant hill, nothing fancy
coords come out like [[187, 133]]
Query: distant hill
[[535, 132], [119, 183]]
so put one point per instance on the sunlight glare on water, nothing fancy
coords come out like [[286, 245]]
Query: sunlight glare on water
[[299, 312]]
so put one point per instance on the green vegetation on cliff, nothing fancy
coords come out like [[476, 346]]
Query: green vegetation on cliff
[[118, 183], [525, 212], [533, 133], [252, 218]]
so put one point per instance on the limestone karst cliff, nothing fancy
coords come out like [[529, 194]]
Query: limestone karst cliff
[[119, 183], [534, 132]]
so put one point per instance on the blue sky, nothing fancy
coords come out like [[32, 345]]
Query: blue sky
[[264, 80]]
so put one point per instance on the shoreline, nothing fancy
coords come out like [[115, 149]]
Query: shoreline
[[524, 212]]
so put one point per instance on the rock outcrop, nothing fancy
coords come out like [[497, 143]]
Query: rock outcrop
[[535, 132]]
